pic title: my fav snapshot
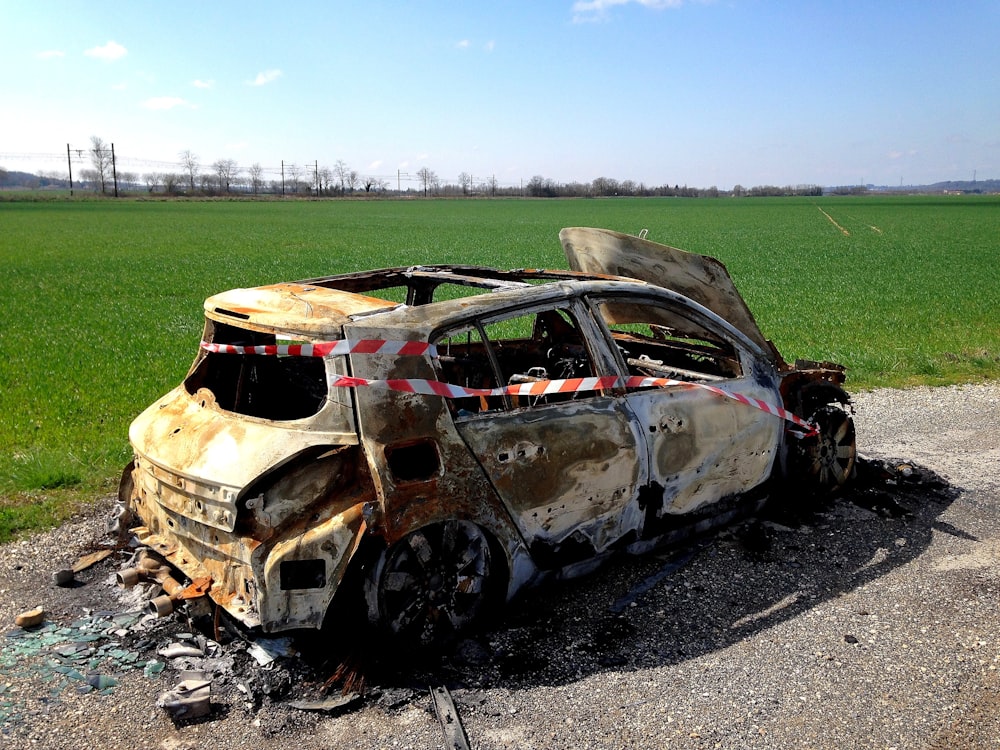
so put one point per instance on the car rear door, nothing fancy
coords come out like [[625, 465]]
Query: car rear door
[[568, 465]]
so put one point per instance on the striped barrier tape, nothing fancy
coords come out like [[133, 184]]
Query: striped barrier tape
[[326, 348], [447, 390], [569, 385]]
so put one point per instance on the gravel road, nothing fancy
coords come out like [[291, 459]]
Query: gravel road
[[870, 622]]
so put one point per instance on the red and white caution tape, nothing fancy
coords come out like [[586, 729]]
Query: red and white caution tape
[[447, 390], [569, 385], [326, 348]]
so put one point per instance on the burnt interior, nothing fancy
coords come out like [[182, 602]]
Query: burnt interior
[[257, 385], [663, 342], [497, 354]]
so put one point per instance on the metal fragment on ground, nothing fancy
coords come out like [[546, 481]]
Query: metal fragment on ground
[[176, 650], [451, 725], [189, 699], [266, 650], [675, 563], [338, 703]]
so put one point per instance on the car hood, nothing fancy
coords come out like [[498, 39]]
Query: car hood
[[698, 277]]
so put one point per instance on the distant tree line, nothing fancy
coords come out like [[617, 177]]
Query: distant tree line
[[225, 177], [540, 187]]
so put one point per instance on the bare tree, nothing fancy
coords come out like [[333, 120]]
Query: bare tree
[[226, 170], [190, 162], [90, 176], [172, 183], [293, 173], [605, 186], [342, 172], [465, 180], [325, 180], [256, 173], [100, 157], [152, 180], [427, 178], [128, 180]]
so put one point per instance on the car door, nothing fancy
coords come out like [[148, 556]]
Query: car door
[[702, 446], [568, 465]]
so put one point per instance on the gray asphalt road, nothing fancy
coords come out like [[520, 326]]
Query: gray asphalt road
[[869, 623]]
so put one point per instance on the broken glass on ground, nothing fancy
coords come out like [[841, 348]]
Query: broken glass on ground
[[88, 655]]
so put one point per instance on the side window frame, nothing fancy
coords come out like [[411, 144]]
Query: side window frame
[[737, 357], [499, 357]]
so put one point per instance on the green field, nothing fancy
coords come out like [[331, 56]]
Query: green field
[[102, 300]]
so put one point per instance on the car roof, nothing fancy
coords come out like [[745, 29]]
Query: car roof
[[322, 306]]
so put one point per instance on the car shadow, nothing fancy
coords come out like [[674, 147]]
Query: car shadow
[[669, 607]]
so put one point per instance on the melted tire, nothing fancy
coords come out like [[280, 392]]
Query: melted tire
[[433, 585], [826, 461]]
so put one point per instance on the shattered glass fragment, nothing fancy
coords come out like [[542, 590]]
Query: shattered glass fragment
[[153, 668]]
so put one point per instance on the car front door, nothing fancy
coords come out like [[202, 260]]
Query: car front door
[[702, 446]]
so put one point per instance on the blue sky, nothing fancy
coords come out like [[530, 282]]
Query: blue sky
[[689, 92]]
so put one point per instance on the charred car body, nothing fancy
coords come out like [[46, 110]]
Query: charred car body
[[419, 444]]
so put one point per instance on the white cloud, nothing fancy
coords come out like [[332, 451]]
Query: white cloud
[[200, 84], [490, 46], [375, 164], [464, 44], [50, 54], [592, 10], [266, 77], [110, 51], [166, 102]]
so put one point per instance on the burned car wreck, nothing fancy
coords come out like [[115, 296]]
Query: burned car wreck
[[413, 446]]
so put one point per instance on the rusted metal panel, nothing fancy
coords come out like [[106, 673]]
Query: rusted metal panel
[[704, 448], [198, 458], [294, 308], [565, 469]]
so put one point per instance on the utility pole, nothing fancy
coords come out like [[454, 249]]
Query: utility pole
[[316, 175], [114, 172], [282, 176], [69, 165]]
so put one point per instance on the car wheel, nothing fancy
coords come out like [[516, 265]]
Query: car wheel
[[827, 460], [433, 584]]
